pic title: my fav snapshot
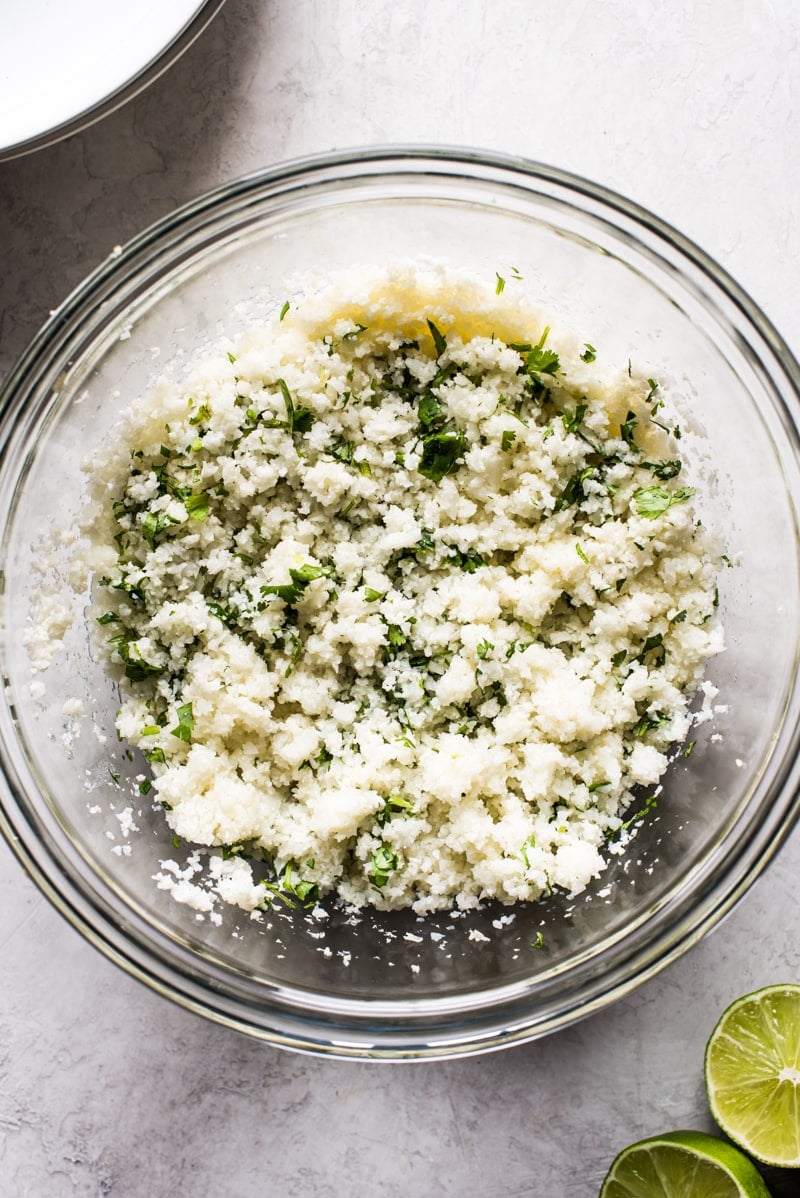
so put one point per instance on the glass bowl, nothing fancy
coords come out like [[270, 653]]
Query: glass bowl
[[395, 985]]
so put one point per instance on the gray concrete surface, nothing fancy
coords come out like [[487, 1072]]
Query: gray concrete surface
[[692, 109]]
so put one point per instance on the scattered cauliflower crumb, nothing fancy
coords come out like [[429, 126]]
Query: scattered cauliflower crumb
[[408, 599]]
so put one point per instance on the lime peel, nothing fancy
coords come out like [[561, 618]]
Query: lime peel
[[752, 1074], [681, 1163]]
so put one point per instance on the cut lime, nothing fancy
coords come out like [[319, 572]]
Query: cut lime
[[753, 1074], [683, 1164]]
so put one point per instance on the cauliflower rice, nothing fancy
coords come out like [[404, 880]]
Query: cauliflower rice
[[408, 595]]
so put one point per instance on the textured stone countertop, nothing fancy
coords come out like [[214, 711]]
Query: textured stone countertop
[[693, 109]]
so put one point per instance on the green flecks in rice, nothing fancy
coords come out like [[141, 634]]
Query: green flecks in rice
[[410, 613]]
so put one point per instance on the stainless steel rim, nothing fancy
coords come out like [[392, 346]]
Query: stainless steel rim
[[110, 103]]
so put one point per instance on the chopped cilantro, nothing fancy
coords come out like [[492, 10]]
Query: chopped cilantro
[[396, 638], [202, 414], [627, 429], [185, 724], [439, 342], [650, 804], [342, 450], [508, 439], [573, 421], [137, 668], [653, 645], [372, 596], [664, 470], [394, 805], [469, 562], [650, 723], [284, 310], [589, 353], [352, 334], [573, 492], [500, 284], [300, 419], [440, 454], [652, 502], [382, 865], [541, 360], [429, 410], [155, 526], [293, 591], [484, 649], [323, 759], [580, 552], [196, 506]]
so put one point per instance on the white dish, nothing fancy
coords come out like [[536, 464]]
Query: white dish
[[63, 66]]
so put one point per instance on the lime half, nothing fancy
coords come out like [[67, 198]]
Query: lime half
[[683, 1164], [753, 1074]]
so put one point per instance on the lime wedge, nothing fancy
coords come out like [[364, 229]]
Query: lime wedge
[[753, 1074], [683, 1164]]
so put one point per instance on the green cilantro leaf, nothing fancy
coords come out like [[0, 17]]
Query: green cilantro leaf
[[292, 592], [394, 805], [196, 506], [541, 360], [185, 725], [439, 342], [468, 562], [665, 469], [652, 502], [155, 526], [429, 410], [300, 419], [572, 422], [440, 454], [383, 864], [627, 429]]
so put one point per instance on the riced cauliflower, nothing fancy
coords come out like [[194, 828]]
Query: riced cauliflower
[[408, 596]]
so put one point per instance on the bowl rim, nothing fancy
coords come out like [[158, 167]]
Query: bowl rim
[[196, 23], [516, 1024]]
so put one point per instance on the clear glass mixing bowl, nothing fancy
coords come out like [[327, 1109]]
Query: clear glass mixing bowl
[[392, 985]]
